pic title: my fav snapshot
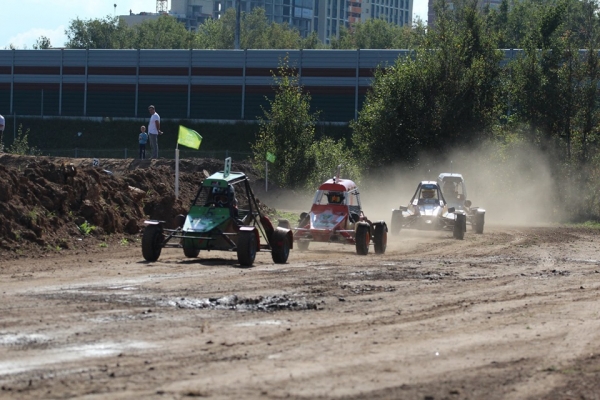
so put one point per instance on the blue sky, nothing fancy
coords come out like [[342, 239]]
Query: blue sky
[[22, 25]]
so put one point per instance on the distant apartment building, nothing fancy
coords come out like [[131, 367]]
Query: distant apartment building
[[296, 13], [325, 17], [331, 15], [135, 19], [482, 3], [194, 12]]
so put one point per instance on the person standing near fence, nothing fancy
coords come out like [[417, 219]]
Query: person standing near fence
[[2, 123], [154, 130], [143, 139]]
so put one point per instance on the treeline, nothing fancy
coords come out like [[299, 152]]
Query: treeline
[[512, 25], [452, 93], [256, 32]]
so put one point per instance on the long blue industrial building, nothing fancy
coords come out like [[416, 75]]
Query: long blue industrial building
[[182, 84]]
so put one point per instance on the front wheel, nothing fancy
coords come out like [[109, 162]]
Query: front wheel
[[152, 242], [380, 238], [458, 230], [190, 252], [302, 245], [479, 222], [362, 239], [280, 248], [246, 248]]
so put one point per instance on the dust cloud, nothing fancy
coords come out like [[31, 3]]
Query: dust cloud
[[514, 186]]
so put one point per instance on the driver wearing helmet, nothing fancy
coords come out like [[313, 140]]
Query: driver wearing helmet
[[450, 193], [448, 189], [219, 196], [223, 197], [427, 193], [335, 197]]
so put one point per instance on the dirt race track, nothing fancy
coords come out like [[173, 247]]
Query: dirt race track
[[510, 314]]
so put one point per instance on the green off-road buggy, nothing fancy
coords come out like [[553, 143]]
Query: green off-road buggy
[[214, 222]]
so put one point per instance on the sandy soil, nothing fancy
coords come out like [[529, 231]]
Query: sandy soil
[[510, 314]]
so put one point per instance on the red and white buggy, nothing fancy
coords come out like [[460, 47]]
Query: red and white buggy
[[336, 216]]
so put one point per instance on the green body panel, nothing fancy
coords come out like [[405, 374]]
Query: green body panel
[[201, 219], [201, 222]]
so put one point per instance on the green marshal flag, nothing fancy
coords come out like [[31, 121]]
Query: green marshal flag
[[270, 157], [189, 137]]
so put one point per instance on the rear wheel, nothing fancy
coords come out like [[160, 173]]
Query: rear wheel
[[284, 223], [179, 221], [190, 252], [302, 246], [479, 222], [362, 239], [280, 247], [396, 222], [152, 242], [246, 248], [380, 238], [458, 230]]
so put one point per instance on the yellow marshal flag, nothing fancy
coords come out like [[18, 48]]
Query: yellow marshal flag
[[189, 137]]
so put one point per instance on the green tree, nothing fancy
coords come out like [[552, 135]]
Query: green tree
[[328, 154], [312, 42], [215, 34], [107, 33], [255, 33], [21, 144], [379, 34], [162, 33], [588, 80], [288, 132], [42, 43], [542, 79], [440, 97]]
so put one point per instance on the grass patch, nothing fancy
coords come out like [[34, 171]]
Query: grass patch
[[86, 228], [290, 216]]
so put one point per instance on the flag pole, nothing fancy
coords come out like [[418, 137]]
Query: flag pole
[[177, 171]]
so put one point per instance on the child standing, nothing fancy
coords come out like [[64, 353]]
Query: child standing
[[143, 139]]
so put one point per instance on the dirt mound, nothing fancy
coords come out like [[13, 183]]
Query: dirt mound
[[49, 203]]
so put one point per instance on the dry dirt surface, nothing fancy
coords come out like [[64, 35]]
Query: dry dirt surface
[[510, 314]]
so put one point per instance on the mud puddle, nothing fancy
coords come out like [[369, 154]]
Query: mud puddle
[[233, 302], [228, 302]]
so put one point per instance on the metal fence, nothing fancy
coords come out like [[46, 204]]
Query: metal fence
[[183, 84]]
